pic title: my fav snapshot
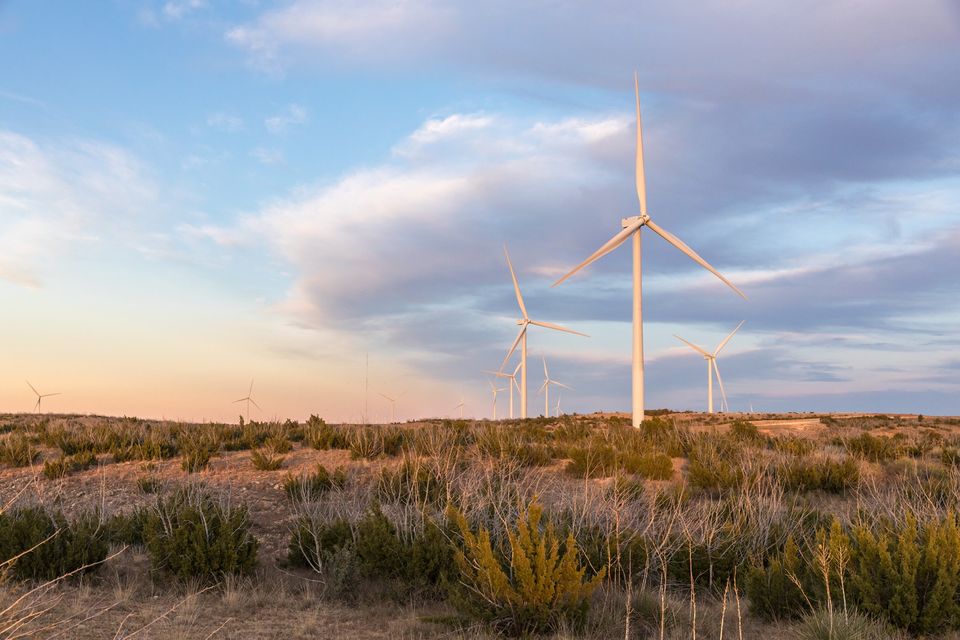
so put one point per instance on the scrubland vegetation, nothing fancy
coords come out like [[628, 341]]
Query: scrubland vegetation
[[580, 526]]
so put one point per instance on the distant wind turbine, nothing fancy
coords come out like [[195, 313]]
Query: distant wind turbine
[[521, 339], [631, 228], [460, 406], [547, 381], [712, 368], [249, 399], [557, 410], [513, 382], [495, 390], [393, 405], [40, 396]]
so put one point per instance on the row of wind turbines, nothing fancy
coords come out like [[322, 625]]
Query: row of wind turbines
[[631, 228]]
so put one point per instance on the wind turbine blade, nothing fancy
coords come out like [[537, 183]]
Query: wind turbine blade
[[47, 395], [516, 285], [543, 386], [545, 374], [519, 364], [383, 395], [675, 241], [499, 374], [37, 406], [691, 345], [641, 180], [513, 347], [254, 403], [556, 327], [560, 384], [240, 400], [716, 370], [250, 393], [609, 246], [727, 339], [31, 387]]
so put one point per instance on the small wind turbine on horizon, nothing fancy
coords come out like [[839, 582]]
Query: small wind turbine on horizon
[[557, 408], [712, 368], [40, 396], [460, 406], [631, 228], [494, 390], [513, 382], [521, 339], [547, 381], [249, 399], [393, 406]]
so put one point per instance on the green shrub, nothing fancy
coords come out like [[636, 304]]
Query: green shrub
[[821, 474], [778, 590], [264, 461], [655, 466], [745, 431], [310, 486], [413, 482], [197, 449], [950, 456], [58, 468], [278, 443], [191, 534], [127, 528], [16, 450], [873, 448], [149, 484], [532, 587], [910, 576], [379, 548], [47, 544], [312, 541], [320, 435]]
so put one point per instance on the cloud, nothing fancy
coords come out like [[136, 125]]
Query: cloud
[[58, 196], [293, 115], [225, 122], [267, 156], [178, 9]]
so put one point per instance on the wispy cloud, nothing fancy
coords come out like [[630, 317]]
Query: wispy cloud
[[267, 156], [57, 196], [292, 115], [225, 121]]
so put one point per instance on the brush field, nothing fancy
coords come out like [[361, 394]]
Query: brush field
[[779, 526]]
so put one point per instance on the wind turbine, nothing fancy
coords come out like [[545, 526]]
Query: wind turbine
[[546, 389], [631, 228], [460, 406], [513, 382], [40, 396], [249, 399], [521, 339], [557, 410], [712, 368], [393, 406], [495, 391]]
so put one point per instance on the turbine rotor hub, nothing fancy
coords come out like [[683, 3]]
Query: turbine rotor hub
[[634, 220]]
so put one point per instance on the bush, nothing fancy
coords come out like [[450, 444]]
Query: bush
[[413, 482], [825, 625], [745, 431], [197, 450], [873, 448], [58, 468], [50, 545], [823, 474], [193, 535], [263, 461], [911, 575], [127, 528], [312, 485], [320, 435], [532, 587], [16, 450]]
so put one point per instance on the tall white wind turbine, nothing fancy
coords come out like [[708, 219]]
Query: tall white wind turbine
[[557, 408], [631, 228], [249, 399], [460, 406], [712, 368], [40, 396], [513, 382], [521, 339], [547, 381]]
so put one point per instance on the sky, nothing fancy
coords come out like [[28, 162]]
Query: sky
[[195, 194]]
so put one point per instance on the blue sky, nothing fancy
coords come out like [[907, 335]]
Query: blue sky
[[194, 193]]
